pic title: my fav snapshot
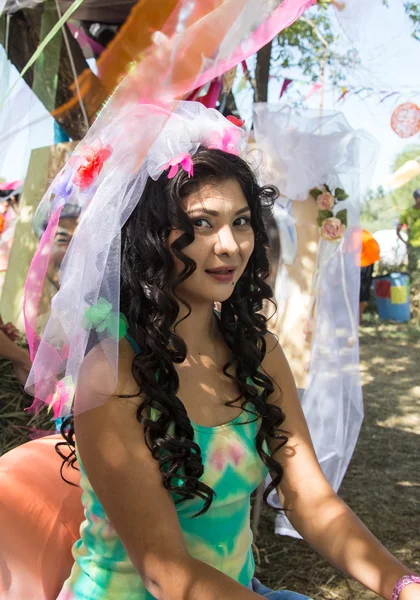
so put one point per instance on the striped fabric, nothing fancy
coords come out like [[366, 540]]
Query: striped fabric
[[221, 538]]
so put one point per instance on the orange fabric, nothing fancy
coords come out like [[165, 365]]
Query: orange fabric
[[125, 50], [40, 516], [370, 249], [205, 29]]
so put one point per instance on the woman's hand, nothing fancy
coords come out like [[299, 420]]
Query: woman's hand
[[10, 330]]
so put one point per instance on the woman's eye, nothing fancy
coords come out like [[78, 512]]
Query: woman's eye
[[245, 221], [201, 223]]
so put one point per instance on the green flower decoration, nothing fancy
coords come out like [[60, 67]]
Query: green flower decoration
[[100, 317]]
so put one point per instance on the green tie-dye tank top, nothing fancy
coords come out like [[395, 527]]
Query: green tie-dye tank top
[[221, 537]]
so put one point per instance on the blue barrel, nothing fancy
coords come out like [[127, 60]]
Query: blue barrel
[[392, 295]]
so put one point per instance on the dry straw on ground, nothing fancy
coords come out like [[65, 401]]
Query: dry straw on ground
[[17, 426]]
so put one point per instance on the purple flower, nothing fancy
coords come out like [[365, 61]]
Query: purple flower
[[62, 187]]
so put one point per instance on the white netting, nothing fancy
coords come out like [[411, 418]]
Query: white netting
[[302, 152], [90, 272], [185, 54]]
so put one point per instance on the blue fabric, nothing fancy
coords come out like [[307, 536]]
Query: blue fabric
[[265, 592], [133, 343], [59, 134]]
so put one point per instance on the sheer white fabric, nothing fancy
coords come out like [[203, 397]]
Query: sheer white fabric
[[302, 152], [90, 272], [136, 134]]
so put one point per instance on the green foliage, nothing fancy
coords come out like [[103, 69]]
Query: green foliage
[[311, 45], [413, 10], [342, 216], [381, 210], [322, 215], [340, 194], [315, 193]]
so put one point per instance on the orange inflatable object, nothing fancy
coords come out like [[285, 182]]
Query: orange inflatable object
[[370, 249], [40, 516]]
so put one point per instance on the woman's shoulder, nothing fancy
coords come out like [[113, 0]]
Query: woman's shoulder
[[98, 373], [273, 350], [275, 363]]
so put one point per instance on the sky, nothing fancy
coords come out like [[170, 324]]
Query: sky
[[388, 53]]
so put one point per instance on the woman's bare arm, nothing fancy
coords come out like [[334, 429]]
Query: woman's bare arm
[[316, 512], [128, 484]]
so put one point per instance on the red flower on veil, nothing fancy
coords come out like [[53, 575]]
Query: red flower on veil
[[92, 161]]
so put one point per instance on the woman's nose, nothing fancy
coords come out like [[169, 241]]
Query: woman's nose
[[226, 242]]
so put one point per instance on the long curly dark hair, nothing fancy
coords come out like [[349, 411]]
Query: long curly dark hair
[[150, 302]]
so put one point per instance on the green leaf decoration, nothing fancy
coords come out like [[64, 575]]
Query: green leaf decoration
[[315, 192], [123, 326], [322, 215], [100, 317], [342, 216], [97, 315], [327, 188], [340, 194]]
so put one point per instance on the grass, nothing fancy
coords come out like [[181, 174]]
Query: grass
[[17, 425]]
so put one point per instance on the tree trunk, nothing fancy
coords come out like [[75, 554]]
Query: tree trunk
[[24, 35], [262, 73]]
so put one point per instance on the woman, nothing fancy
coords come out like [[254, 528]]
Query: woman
[[204, 403]]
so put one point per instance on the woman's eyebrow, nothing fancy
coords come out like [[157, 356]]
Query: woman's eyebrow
[[214, 213]]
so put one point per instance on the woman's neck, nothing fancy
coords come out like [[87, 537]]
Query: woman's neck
[[199, 330]]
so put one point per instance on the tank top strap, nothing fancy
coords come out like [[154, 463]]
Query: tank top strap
[[133, 342]]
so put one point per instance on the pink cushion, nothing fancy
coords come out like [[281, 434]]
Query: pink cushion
[[40, 516]]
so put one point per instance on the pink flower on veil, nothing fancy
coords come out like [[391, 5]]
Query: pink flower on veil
[[62, 397], [332, 229], [184, 160], [228, 141], [325, 201]]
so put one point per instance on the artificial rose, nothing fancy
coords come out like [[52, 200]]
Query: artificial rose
[[325, 201], [332, 229], [92, 161], [235, 120]]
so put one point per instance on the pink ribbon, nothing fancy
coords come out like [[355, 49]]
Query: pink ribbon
[[35, 281], [282, 17], [11, 185]]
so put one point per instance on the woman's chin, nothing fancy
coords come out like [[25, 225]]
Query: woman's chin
[[207, 298]]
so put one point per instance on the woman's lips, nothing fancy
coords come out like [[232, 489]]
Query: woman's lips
[[225, 276]]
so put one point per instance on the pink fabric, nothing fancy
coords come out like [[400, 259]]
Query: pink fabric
[[314, 89], [282, 17], [185, 161], [84, 40], [40, 516], [35, 281], [6, 237], [11, 185], [209, 100], [285, 85], [402, 583]]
